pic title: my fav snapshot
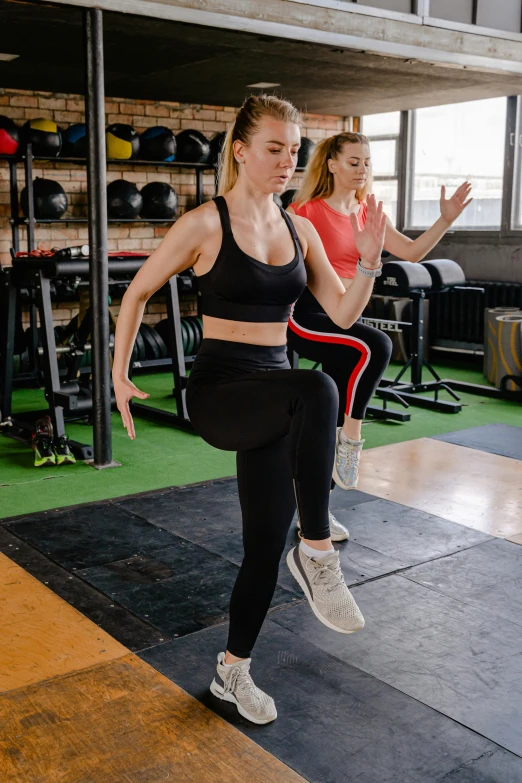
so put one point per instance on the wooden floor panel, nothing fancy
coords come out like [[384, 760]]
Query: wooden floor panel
[[474, 488], [42, 636], [123, 722]]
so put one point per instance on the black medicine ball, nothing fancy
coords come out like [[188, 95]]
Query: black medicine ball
[[44, 136], [123, 142], [287, 197], [160, 201], [50, 201], [9, 136], [216, 145], [74, 141], [193, 147], [124, 201], [158, 143], [305, 152]]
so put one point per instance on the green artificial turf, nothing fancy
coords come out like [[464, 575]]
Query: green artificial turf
[[162, 456]]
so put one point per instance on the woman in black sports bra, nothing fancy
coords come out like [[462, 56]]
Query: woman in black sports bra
[[253, 261]]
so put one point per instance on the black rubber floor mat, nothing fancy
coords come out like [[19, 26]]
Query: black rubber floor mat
[[494, 438]]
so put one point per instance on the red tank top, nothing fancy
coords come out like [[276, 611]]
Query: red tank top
[[336, 233]]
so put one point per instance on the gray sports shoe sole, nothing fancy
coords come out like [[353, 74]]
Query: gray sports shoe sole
[[219, 693]]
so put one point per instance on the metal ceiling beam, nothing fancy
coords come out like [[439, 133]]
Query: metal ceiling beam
[[260, 24]]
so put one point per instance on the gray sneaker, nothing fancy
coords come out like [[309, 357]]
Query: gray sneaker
[[346, 463], [338, 532], [322, 582], [234, 684]]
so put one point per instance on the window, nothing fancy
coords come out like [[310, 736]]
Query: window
[[460, 11], [383, 133], [390, 5], [449, 145]]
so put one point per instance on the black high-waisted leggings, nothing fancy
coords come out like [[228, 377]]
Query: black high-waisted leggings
[[281, 422], [354, 358]]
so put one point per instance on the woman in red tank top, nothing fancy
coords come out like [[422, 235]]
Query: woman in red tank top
[[336, 183]]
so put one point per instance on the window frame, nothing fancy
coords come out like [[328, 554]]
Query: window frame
[[396, 177], [512, 176]]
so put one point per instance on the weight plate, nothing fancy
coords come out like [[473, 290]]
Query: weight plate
[[191, 337], [185, 335], [164, 351], [162, 329], [151, 348], [197, 337], [140, 342]]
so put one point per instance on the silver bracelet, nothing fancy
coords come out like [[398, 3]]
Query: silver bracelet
[[369, 272]]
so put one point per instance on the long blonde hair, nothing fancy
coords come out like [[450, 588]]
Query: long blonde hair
[[245, 126], [318, 180]]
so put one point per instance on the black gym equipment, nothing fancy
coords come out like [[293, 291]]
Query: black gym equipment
[[122, 141], [43, 136], [418, 282], [9, 136], [160, 201], [193, 147], [49, 198], [216, 145], [124, 200], [74, 141], [158, 143], [305, 152]]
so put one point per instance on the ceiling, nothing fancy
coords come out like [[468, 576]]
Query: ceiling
[[161, 60]]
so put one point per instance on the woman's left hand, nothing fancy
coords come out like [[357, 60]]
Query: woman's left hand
[[451, 208]]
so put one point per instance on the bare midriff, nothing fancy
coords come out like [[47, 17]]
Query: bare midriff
[[244, 331]]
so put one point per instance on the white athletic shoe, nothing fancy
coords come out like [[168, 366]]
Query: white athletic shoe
[[234, 684], [346, 463], [338, 532], [322, 582]]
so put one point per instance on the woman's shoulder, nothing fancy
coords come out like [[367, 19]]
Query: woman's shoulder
[[307, 208]]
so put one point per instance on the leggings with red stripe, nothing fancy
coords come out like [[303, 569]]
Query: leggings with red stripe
[[354, 358]]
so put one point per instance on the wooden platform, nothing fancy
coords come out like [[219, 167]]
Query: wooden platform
[[77, 707], [470, 487]]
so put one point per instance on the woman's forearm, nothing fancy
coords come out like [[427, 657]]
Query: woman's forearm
[[129, 320], [354, 300], [420, 247]]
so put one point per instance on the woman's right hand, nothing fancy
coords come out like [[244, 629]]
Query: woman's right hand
[[370, 240], [124, 391]]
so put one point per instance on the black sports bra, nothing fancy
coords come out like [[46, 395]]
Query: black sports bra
[[241, 288]]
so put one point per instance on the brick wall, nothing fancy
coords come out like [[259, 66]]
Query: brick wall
[[65, 110]]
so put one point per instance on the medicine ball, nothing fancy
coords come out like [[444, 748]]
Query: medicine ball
[[44, 136], [9, 136], [157, 143], [216, 145], [193, 147], [123, 142], [305, 152], [287, 197], [124, 201], [50, 201], [74, 141], [160, 201]]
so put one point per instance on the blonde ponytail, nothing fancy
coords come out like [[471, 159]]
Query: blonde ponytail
[[245, 126], [318, 181]]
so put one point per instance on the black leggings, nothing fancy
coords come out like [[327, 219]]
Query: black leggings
[[354, 358], [281, 422]]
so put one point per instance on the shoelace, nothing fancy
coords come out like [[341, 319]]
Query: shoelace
[[234, 676], [323, 573], [348, 452]]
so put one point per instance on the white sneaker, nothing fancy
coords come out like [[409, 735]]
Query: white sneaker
[[322, 582], [346, 463], [234, 684], [338, 532]]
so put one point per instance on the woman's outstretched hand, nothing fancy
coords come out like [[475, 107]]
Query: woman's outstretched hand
[[370, 240], [451, 208], [124, 391]]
